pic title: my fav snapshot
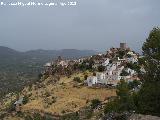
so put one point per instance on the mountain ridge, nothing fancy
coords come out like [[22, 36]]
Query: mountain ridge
[[18, 68]]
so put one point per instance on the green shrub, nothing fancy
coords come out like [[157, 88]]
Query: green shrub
[[25, 99], [85, 77], [95, 103], [111, 107], [77, 79]]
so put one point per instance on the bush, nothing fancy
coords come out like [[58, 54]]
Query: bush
[[47, 94], [95, 103], [25, 99], [20, 114], [88, 113], [134, 84], [37, 116], [85, 77], [111, 107], [77, 79], [11, 107], [124, 73]]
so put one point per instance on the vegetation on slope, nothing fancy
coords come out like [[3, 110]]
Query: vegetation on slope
[[18, 69], [147, 99]]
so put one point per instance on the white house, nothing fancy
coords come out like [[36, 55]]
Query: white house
[[109, 72], [130, 71], [120, 68], [111, 67], [47, 65], [101, 78], [131, 53], [114, 70], [81, 60], [63, 63], [132, 59], [106, 62], [118, 63], [142, 70], [91, 80], [121, 60], [113, 75]]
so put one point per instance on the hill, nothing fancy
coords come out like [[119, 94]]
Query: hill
[[20, 68]]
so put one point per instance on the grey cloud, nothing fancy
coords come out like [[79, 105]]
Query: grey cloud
[[92, 24]]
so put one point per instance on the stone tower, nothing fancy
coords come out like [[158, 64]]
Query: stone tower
[[123, 45]]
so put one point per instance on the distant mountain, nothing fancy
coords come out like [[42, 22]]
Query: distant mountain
[[18, 68], [65, 53], [42, 55], [8, 52]]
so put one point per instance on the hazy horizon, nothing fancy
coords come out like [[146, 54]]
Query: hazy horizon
[[90, 25]]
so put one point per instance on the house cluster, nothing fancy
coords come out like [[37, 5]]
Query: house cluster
[[59, 61], [114, 62], [61, 65], [115, 68]]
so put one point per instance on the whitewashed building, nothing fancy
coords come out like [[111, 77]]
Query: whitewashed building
[[132, 59], [101, 78], [111, 67], [63, 63], [106, 62], [91, 80], [48, 65], [130, 71], [114, 74]]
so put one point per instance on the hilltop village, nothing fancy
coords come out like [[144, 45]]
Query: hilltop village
[[119, 84], [108, 69], [71, 87]]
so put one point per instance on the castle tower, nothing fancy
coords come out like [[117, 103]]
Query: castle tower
[[123, 45]]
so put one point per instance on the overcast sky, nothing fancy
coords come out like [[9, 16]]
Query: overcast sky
[[91, 24]]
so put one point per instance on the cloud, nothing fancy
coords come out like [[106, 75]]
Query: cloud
[[97, 25]]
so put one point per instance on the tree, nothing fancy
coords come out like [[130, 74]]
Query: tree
[[147, 100], [85, 77], [133, 66], [111, 106], [121, 54], [125, 101], [151, 48], [149, 95], [134, 84], [101, 68], [124, 73]]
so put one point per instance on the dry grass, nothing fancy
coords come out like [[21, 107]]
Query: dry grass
[[68, 98], [13, 118]]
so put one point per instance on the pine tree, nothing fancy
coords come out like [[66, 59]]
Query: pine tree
[[149, 95]]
